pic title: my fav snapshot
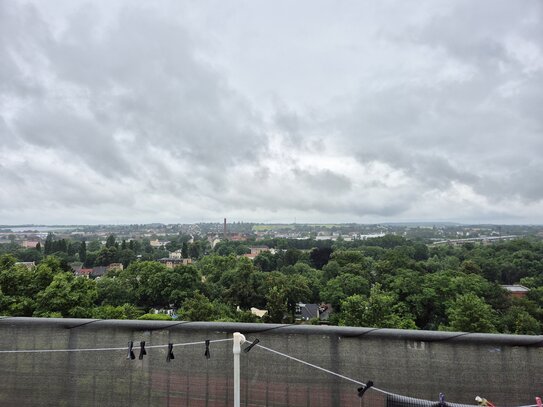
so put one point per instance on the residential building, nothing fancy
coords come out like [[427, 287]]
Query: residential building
[[29, 244], [98, 271], [86, 273], [305, 312], [115, 266], [256, 250], [171, 263], [178, 254], [28, 264], [516, 290]]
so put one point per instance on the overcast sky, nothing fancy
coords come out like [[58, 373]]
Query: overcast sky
[[272, 111]]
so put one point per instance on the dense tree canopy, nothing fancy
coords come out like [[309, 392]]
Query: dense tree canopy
[[383, 282]]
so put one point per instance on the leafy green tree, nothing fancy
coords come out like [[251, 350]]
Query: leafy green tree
[[339, 288], [212, 268], [291, 257], [242, 249], [48, 248], [276, 304], [439, 290], [94, 246], [470, 313], [126, 257], [115, 291], [242, 286], [181, 282], [20, 286], [379, 310], [266, 262], [344, 257], [29, 255], [312, 279], [83, 252], [151, 284], [244, 316], [72, 248], [194, 250], [331, 270], [421, 252], [156, 317], [126, 311], [7, 261], [198, 308], [470, 267], [294, 289], [91, 259], [388, 241], [68, 296], [110, 241], [374, 252], [319, 257], [107, 255], [518, 321]]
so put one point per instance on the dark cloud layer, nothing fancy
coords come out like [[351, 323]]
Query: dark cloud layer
[[133, 112]]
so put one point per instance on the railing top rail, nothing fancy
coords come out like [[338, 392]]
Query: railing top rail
[[254, 328]]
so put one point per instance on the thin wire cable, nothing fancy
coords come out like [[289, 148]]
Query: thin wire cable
[[321, 368], [108, 349], [190, 343]]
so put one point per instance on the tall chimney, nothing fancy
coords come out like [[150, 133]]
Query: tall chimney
[[224, 229]]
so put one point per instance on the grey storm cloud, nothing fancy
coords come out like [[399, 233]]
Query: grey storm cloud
[[133, 111], [326, 181], [481, 125]]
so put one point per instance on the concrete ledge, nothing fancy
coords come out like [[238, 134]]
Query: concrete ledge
[[252, 328]]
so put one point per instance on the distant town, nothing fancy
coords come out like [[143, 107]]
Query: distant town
[[159, 234]]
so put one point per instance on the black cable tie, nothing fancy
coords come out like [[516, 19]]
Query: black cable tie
[[170, 355], [207, 354], [248, 348], [362, 390], [130, 354], [142, 350]]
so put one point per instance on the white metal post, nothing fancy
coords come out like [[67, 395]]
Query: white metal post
[[239, 339]]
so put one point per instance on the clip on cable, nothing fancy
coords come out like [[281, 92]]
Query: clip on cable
[[362, 390], [130, 354], [484, 402], [142, 350], [170, 355], [207, 354], [248, 348]]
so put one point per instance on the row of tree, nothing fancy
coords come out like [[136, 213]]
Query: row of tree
[[384, 282], [94, 253]]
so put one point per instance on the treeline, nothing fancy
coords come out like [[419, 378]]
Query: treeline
[[383, 282], [94, 253]]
